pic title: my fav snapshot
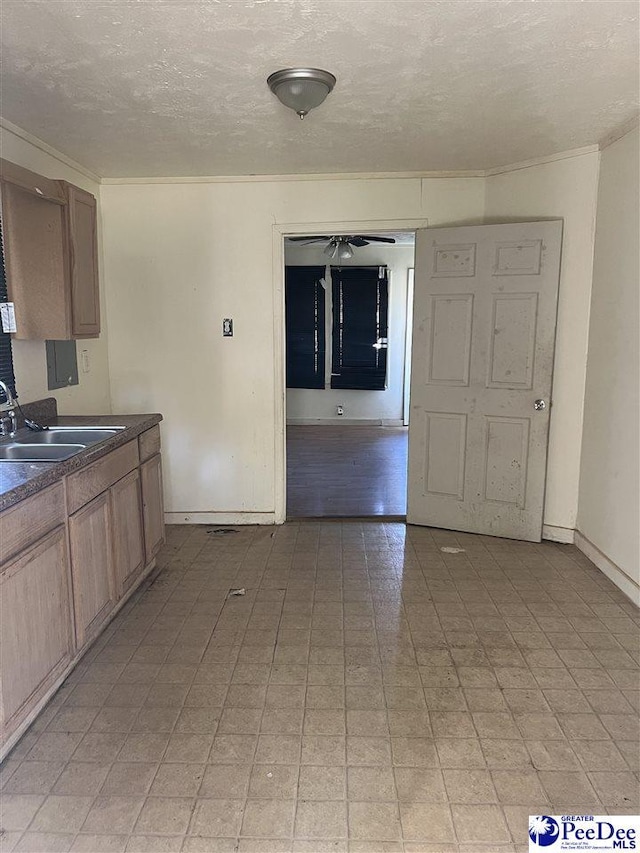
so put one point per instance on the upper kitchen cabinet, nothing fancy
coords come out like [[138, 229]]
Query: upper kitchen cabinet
[[50, 242]]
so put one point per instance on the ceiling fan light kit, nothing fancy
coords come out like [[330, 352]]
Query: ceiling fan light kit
[[301, 89]]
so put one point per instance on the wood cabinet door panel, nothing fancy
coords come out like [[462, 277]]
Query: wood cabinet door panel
[[128, 541], [35, 623], [152, 504], [91, 567], [85, 298]]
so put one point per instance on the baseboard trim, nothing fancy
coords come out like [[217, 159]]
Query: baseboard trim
[[553, 533], [619, 577], [220, 518], [338, 421]]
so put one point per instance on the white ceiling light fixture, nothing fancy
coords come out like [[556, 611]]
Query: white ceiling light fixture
[[338, 248], [301, 89]]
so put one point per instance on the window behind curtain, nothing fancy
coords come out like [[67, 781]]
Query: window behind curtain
[[360, 319], [305, 326], [6, 354]]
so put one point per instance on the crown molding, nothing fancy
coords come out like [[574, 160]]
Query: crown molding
[[619, 132], [48, 149], [540, 161], [333, 176], [321, 176]]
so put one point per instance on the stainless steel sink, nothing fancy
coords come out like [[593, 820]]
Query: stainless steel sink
[[20, 452], [64, 435]]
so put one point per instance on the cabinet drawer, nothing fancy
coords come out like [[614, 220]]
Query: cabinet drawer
[[84, 485], [27, 521], [149, 443]]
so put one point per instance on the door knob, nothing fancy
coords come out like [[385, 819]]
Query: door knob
[[539, 405]]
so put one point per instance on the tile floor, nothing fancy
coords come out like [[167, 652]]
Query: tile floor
[[368, 693]]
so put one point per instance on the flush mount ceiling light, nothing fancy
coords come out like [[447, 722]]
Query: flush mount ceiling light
[[301, 89]]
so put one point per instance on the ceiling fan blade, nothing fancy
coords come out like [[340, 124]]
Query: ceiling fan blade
[[372, 239], [358, 241], [311, 239]]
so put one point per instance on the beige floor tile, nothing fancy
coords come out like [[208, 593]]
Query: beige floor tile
[[426, 822], [164, 816], [144, 747], [177, 780], [114, 720], [622, 726], [469, 786], [18, 810], [324, 722], [61, 814], [370, 783], [54, 746], [240, 721], [154, 844], [268, 818], [286, 721], [112, 815], [416, 784], [480, 824], [278, 749], [460, 753], [452, 724], [187, 747], [542, 727], [318, 749], [153, 720], [44, 842], [617, 790], [376, 821], [518, 786], [217, 818], [369, 723], [566, 788], [233, 749], [321, 819], [203, 844], [505, 754], [409, 723], [226, 780], [129, 778], [80, 779], [99, 746], [274, 781], [368, 751], [33, 777], [89, 843], [322, 783], [599, 755]]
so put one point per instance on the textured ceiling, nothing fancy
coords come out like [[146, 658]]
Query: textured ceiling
[[177, 88]]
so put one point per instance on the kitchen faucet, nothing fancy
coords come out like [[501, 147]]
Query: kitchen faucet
[[8, 419]]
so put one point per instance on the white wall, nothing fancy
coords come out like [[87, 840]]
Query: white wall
[[179, 257], [564, 189], [312, 405], [609, 507], [91, 395]]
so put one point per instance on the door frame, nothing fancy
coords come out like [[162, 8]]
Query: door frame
[[281, 230]]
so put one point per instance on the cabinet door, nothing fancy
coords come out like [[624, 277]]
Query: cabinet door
[[152, 504], [128, 540], [83, 250], [36, 632], [91, 567]]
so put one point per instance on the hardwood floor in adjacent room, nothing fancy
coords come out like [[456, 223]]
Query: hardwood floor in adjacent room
[[346, 471]]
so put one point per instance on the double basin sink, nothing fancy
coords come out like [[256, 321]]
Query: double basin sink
[[54, 444]]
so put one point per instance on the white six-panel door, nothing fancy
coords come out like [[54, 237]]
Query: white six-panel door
[[482, 360]]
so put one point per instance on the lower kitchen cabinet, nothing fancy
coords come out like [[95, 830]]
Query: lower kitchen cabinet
[[152, 505], [127, 534], [36, 626], [94, 588]]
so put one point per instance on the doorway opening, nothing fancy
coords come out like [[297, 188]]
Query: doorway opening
[[348, 311]]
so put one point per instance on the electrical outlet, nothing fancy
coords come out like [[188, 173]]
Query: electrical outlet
[[340, 410]]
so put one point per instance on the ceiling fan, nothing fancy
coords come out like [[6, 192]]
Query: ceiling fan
[[340, 245]]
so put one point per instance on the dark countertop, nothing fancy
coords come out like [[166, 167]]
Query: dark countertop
[[19, 480]]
